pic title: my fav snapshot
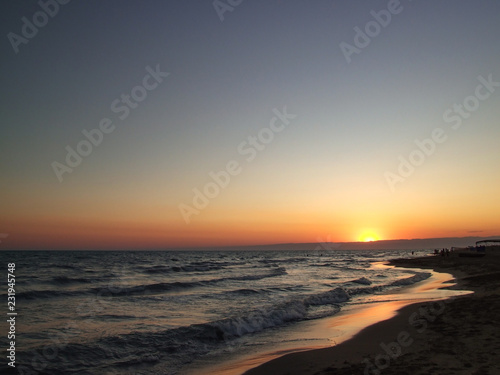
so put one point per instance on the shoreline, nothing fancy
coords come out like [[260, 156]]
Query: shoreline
[[332, 330], [447, 336]]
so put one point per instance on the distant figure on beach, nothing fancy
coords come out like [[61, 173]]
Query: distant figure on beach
[[447, 252], [436, 251], [412, 252], [442, 252]]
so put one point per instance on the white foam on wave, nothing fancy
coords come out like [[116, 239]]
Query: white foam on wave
[[278, 315]]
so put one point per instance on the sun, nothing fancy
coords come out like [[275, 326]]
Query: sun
[[368, 237]]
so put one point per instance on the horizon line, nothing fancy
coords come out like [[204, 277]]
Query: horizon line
[[229, 247]]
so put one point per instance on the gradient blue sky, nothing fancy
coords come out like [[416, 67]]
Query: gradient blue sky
[[323, 175]]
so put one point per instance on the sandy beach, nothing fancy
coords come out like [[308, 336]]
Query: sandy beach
[[456, 336]]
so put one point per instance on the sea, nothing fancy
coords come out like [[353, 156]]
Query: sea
[[158, 312]]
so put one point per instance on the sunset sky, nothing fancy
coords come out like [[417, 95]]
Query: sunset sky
[[207, 79]]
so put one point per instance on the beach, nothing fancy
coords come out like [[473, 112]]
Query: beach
[[455, 336]]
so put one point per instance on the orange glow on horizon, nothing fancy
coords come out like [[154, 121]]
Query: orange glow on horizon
[[217, 227]]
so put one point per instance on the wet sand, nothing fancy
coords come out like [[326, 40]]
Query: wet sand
[[460, 335]]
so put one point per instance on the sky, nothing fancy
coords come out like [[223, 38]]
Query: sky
[[170, 124]]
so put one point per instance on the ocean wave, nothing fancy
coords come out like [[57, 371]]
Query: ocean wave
[[196, 268], [336, 295], [412, 279], [184, 268], [245, 292], [362, 280], [401, 282], [180, 344], [157, 269], [288, 260], [365, 290], [280, 271], [277, 315], [260, 319], [345, 268], [201, 266], [144, 289], [147, 289]]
